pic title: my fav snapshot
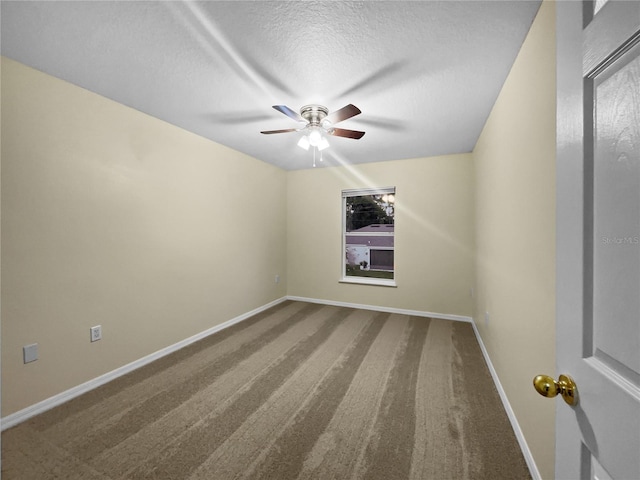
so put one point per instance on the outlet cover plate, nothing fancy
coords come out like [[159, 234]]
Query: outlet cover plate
[[30, 353], [96, 333]]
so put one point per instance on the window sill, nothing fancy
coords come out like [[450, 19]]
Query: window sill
[[369, 281]]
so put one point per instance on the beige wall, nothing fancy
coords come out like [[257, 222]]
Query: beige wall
[[433, 242], [112, 217], [515, 236]]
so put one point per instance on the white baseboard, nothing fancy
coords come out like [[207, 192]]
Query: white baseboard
[[528, 457], [402, 311], [51, 402]]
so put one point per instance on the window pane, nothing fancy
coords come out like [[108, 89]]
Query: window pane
[[365, 210], [382, 259]]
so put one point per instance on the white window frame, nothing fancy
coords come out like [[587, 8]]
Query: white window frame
[[364, 280]]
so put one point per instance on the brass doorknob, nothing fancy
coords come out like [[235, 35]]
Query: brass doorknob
[[565, 386]]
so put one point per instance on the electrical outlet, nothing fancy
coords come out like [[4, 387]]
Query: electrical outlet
[[277, 278], [96, 333], [30, 353], [486, 318]]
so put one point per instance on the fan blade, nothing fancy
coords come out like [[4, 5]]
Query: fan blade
[[341, 132], [344, 113], [269, 132], [289, 113]]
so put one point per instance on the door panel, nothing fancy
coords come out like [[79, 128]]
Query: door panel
[[616, 255]]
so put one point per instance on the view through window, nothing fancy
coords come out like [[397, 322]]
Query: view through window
[[368, 234]]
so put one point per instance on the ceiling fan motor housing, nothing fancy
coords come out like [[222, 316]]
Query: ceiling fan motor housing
[[314, 114]]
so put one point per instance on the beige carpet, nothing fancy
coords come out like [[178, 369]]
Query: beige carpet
[[301, 391]]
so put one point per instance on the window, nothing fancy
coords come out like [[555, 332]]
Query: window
[[368, 231]]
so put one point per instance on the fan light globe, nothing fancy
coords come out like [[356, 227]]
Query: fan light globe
[[304, 143], [323, 144], [314, 138]]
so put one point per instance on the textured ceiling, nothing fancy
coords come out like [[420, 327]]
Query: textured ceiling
[[424, 73]]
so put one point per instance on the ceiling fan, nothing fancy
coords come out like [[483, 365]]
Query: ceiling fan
[[319, 121]]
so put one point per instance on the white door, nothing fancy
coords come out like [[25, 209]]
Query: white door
[[598, 248]]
